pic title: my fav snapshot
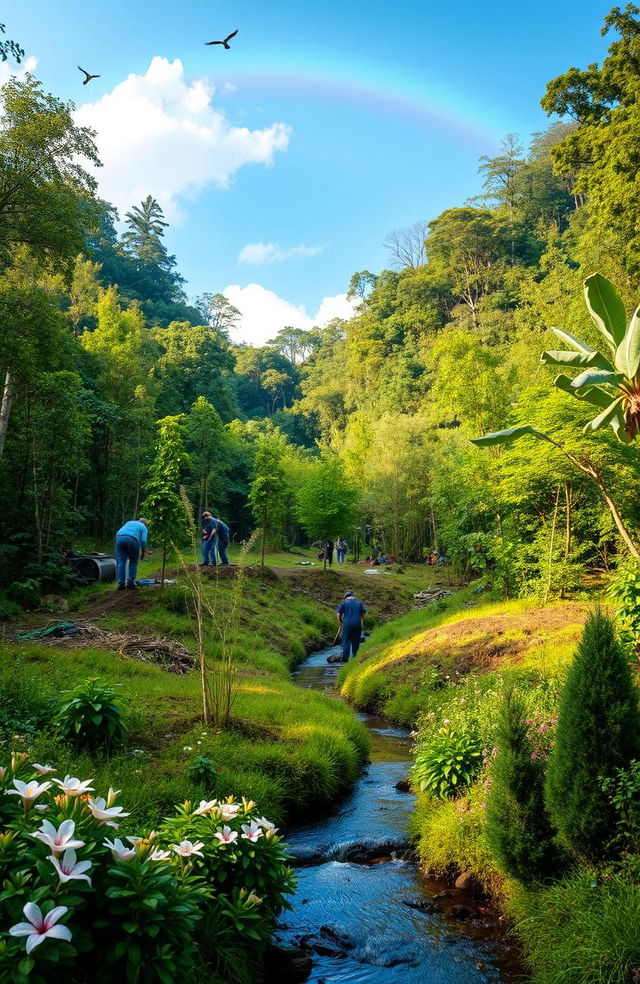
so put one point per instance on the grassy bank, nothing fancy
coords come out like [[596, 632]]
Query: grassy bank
[[291, 750]]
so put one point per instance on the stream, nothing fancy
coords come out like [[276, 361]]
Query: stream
[[362, 908]]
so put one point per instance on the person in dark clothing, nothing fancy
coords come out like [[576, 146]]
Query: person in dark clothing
[[328, 552], [222, 538], [350, 616], [131, 541], [209, 533]]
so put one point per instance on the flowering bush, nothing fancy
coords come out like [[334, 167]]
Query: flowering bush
[[79, 903]]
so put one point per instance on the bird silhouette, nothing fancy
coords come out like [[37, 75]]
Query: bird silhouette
[[225, 43], [88, 76]]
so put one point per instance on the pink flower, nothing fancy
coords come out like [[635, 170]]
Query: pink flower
[[40, 927], [267, 825], [187, 849], [226, 835], [70, 869], [534, 755], [58, 840]]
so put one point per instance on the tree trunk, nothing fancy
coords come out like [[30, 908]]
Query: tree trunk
[[164, 564], [617, 518], [5, 409], [264, 533], [568, 529], [553, 536]]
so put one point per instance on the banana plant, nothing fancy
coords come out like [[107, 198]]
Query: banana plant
[[609, 381]]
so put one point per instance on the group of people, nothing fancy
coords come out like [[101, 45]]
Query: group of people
[[131, 544], [341, 548]]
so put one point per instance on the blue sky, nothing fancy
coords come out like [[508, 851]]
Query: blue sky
[[324, 127]]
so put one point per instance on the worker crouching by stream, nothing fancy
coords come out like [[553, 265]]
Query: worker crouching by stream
[[350, 616]]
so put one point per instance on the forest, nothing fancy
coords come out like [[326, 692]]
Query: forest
[[481, 409]]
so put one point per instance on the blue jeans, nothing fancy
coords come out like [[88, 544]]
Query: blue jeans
[[209, 551], [127, 550], [341, 554], [222, 551], [350, 640]]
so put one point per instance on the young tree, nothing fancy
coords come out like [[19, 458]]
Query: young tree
[[209, 450], [518, 828], [598, 733], [268, 490], [326, 503], [162, 502]]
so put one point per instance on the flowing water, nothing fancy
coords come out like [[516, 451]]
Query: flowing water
[[362, 908]]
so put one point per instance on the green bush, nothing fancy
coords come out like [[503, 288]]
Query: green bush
[[580, 931], [623, 791], [518, 828], [624, 588], [447, 763], [204, 771], [598, 732], [89, 718]]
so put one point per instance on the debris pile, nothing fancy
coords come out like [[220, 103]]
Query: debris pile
[[429, 595]]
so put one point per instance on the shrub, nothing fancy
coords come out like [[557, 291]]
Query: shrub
[[598, 732], [139, 910], [624, 588], [623, 791], [518, 828], [89, 718], [204, 770], [448, 762]]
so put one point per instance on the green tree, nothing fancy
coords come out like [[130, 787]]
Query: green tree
[[162, 493], [268, 489], [518, 828], [327, 501], [598, 732], [208, 446]]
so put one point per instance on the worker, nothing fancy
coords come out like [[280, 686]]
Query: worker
[[350, 616], [209, 534], [222, 538], [131, 542]]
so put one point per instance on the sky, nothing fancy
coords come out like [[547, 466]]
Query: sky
[[283, 163]]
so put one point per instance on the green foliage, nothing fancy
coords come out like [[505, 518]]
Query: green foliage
[[204, 771], [598, 732], [517, 826], [90, 718], [326, 502], [447, 762], [623, 790], [268, 489], [624, 588]]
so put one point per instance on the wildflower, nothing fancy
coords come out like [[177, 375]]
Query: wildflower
[[187, 748], [226, 835], [58, 840], [44, 770], [104, 814], [534, 755], [72, 786], [251, 831], [40, 927], [228, 811], [159, 855], [29, 791], [253, 899], [266, 824], [119, 850], [18, 758], [186, 849], [70, 869], [205, 807]]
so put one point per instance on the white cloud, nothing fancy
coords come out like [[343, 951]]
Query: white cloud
[[9, 68], [264, 312], [161, 135], [260, 253]]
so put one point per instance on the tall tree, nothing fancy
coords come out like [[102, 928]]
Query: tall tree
[[326, 502], [268, 490], [162, 494]]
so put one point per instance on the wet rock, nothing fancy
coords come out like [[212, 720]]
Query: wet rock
[[422, 905], [312, 944], [370, 853], [403, 786], [286, 964], [335, 658], [468, 882], [462, 912], [341, 939]]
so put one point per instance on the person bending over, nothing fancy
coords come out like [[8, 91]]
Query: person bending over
[[131, 541]]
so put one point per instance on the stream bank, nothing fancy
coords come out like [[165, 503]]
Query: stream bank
[[362, 909]]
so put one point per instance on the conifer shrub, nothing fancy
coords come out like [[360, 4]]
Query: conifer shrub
[[598, 733], [518, 828]]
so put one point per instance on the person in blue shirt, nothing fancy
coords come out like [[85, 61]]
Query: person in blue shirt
[[222, 538], [209, 533], [350, 616], [131, 542]]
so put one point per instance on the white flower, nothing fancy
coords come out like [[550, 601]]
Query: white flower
[[119, 850], [41, 807], [28, 790], [252, 831], [187, 748], [228, 811], [58, 840], [39, 926], [104, 814], [70, 869], [205, 807], [159, 855], [74, 787], [186, 849], [226, 835], [44, 770], [267, 825]]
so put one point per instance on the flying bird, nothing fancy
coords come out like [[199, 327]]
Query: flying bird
[[226, 40], [88, 76]]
